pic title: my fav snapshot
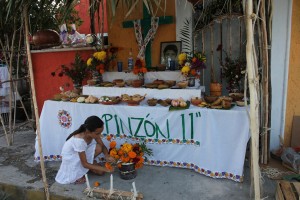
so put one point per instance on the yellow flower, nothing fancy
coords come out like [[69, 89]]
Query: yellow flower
[[101, 56], [185, 69], [182, 57], [126, 147], [89, 62]]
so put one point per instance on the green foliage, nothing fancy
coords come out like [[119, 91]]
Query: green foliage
[[77, 71], [233, 70], [186, 36]]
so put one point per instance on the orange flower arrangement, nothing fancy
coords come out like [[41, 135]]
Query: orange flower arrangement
[[128, 153], [140, 66]]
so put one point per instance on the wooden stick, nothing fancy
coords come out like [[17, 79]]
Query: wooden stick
[[102, 193], [265, 80], [203, 50], [212, 71], [252, 79], [25, 14]]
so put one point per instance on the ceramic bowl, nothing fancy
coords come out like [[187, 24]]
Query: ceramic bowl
[[137, 83], [196, 101], [210, 99], [182, 84]]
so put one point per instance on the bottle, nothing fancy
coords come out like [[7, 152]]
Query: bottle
[[169, 63], [130, 61]]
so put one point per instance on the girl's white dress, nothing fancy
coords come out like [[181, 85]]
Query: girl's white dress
[[71, 168]]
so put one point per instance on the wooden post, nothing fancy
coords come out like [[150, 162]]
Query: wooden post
[[254, 105], [25, 13]]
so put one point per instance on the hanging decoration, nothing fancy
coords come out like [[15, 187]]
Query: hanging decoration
[[150, 35]]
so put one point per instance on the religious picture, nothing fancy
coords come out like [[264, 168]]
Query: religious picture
[[169, 52]]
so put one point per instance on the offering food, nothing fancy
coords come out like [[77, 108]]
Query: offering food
[[178, 103], [106, 100], [152, 102], [158, 82], [196, 101], [80, 99], [91, 99], [171, 83], [163, 102], [151, 85], [236, 96], [163, 86], [182, 84], [132, 100], [137, 83]]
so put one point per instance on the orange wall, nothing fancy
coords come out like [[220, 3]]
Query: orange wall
[[45, 63], [125, 38], [293, 94], [46, 85]]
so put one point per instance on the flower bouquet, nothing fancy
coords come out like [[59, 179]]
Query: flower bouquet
[[140, 69], [191, 63], [77, 71], [100, 61], [129, 157]]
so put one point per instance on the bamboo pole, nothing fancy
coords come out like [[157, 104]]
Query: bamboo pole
[[203, 52], [254, 105], [212, 71], [25, 13], [265, 81]]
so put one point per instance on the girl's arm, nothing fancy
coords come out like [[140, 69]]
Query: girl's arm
[[87, 165], [104, 150]]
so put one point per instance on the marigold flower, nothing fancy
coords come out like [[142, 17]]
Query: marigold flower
[[108, 137], [113, 152], [182, 57], [144, 70], [108, 166], [101, 71], [193, 72], [89, 62], [101, 56], [112, 144], [96, 184], [131, 154], [102, 66]]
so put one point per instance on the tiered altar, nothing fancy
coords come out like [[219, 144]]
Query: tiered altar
[[211, 142]]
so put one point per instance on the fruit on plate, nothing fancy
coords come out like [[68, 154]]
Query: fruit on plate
[[178, 103], [107, 99]]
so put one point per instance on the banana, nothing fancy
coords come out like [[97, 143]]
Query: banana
[[217, 102]]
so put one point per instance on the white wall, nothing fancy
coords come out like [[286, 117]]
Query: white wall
[[279, 67]]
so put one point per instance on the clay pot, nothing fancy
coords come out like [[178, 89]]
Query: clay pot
[[46, 38], [196, 101], [182, 84], [210, 99], [215, 89], [137, 83]]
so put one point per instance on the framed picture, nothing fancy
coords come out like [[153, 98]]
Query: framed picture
[[169, 50]]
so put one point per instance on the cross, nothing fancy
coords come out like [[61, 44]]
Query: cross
[[146, 26]]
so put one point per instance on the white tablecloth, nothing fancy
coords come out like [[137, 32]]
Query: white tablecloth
[[186, 94], [211, 142]]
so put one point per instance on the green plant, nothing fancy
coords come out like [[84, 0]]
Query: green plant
[[233, 70], [77, 71]]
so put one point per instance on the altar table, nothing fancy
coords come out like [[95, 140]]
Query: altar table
[[211, 142]]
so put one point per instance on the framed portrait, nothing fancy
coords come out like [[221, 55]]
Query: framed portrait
[[169, 49]]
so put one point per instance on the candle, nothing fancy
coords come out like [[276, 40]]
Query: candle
[[134, 190], [111, 183], [87, 181]]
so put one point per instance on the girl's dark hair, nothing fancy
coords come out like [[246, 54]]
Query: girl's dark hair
[[91, 124]]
